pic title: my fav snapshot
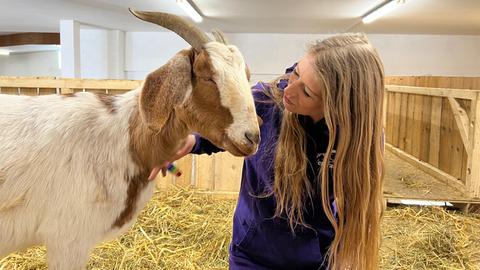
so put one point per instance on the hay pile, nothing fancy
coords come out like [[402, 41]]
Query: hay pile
[[180, 229], [430, 238]]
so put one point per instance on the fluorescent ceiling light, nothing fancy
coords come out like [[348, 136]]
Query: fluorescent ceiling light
[[185, 5], [4, 52], [382, 10]]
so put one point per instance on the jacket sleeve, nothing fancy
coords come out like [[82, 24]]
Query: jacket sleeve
[[204, 146]]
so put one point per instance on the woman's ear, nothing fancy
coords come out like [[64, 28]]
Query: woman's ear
[[165, 88]]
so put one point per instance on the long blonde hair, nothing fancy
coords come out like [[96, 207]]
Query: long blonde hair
[[353, 79]]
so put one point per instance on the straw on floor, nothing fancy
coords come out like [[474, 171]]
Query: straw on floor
[[182, 229]]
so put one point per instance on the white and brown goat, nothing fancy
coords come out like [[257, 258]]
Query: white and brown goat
[[74, 169]]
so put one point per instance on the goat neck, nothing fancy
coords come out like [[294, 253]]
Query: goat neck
[[151, 147]]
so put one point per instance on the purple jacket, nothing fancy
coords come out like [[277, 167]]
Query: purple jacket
[[260, 241]]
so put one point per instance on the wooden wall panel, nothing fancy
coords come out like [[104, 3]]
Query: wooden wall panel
[[228, 170], [205, 172]]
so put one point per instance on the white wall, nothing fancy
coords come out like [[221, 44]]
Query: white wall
[[147, 51], [429, 54], [269, 54], [266, 54], [43, 64]]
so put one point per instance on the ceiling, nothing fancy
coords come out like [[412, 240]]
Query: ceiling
[[453, 17]]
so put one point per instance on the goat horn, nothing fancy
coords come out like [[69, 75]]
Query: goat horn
[[187, 30], [219, 36]]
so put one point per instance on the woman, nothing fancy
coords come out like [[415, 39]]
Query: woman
[[310, 197]]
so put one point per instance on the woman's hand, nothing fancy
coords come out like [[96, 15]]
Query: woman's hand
[[186, 149]]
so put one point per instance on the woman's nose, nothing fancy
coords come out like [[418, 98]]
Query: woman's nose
[[291, 87]]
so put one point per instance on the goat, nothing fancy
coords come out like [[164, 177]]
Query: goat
[[74, 168]]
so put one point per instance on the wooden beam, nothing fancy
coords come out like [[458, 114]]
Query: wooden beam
[[435, 172], [462, 121], [473, 162], [437, 92], [30, 38], [69, 83]]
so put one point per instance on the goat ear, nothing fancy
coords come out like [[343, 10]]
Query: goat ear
[[166, 88]]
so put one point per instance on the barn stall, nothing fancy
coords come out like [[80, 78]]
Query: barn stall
[[432, 154]]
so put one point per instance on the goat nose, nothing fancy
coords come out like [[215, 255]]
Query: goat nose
[[253, 137]]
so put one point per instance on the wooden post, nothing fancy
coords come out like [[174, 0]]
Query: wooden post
[[473, 162]]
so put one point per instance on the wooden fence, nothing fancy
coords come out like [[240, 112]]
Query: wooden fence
[[431, 122], [434, 123]]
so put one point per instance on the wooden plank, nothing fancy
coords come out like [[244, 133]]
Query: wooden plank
[[425, 126], [409, 123], [102, 84], [475, 83], [205, 172], [166, 182], [446, 137], [390, 115], [389, 120], [466, 104], [185, 165], [69, 83], [457, 150], [473, 162], [384, 110], [438, 92], [28, 91], [461, 120], [435, 172], [29, 82], [228, 171], [416, 138], [396, 118], [402, 132], [117, 91], [464, 83], [435, 126], [47, 91], [98, 91], [36, 38], [10, 90]]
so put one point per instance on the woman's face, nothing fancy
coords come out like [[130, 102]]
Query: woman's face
[[303, 95]]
